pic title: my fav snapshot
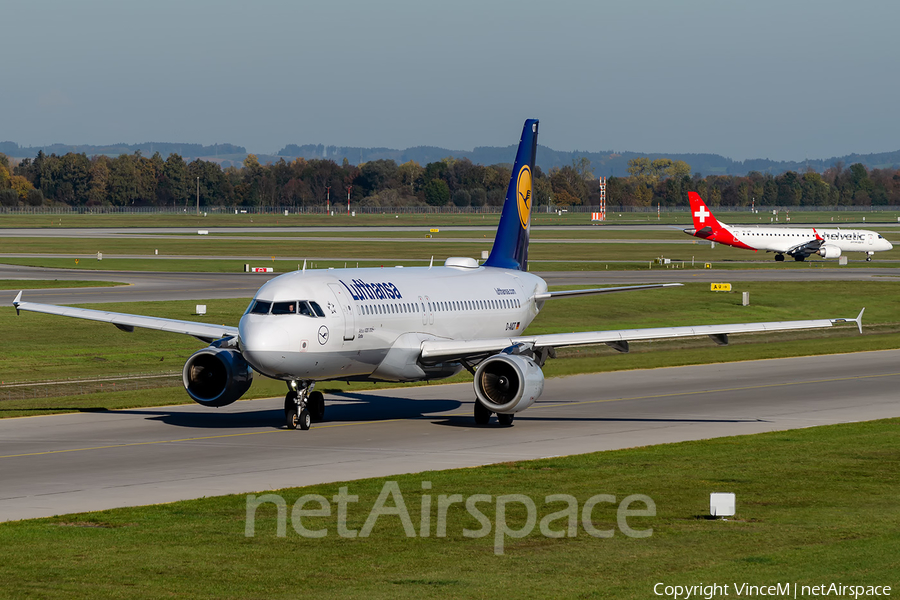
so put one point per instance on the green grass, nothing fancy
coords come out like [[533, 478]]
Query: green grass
[[94, 350], [814, 506], [141, 252]]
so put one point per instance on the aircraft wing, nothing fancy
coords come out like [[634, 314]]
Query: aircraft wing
[[608, 290], [204, 331], [806, 248], [442, 350]]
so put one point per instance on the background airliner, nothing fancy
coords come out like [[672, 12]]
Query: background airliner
[[798, 242], [403, 324]]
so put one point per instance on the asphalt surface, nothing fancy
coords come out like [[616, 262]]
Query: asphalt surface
[[97, 460]]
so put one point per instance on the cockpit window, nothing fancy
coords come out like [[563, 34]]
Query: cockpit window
[[290, 307], [284, 308], [261, 307]]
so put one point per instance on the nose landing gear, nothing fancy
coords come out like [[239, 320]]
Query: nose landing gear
[[302, 405]]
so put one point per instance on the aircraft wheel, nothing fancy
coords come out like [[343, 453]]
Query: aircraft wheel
[[799, 258], [292, 416], [779, 257], [305, 420], [482, 413], [290, 410], [317, 406], [505, 419]]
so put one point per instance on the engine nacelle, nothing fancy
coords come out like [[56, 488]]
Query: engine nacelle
[[828, 251], [508, 383], [216, 376]]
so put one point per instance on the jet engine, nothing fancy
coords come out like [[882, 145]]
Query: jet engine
[[508, 383], [828, 251], [216, 376]]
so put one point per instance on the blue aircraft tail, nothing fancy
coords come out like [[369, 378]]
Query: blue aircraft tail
[[510, 249]]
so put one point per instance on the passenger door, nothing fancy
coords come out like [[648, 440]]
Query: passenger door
[[344, 301]]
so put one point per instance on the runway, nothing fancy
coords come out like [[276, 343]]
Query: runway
[[150, 286], [97, 460]]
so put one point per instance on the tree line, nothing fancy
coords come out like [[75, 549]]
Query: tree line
[[132, 180]]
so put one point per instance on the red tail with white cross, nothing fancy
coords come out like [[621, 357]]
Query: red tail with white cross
[[701, 214]]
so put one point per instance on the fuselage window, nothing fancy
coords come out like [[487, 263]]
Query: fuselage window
[[261, 307]]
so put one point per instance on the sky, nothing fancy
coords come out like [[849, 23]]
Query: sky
[[785, 79]]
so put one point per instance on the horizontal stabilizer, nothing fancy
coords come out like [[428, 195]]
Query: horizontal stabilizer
[[609, 290]]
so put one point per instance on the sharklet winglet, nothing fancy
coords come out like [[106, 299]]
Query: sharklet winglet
[[857, 320]]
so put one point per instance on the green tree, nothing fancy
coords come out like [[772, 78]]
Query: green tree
[[174, 183], [34, 198], [9, 198], [99, 181], [582, 167], [437, 192]]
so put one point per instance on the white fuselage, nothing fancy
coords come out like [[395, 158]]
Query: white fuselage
[[783, 239], [374, 320]]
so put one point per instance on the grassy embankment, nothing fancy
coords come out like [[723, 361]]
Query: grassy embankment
[[814, 506], [100, 351]]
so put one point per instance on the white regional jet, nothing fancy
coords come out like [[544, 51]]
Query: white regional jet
[[403, 324], [798, 242]]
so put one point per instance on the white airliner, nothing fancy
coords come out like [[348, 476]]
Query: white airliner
[[403, 324], [798, 242]]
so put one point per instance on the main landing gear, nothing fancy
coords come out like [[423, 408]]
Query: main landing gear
[[302, 405], [483, 415], [779, 258]]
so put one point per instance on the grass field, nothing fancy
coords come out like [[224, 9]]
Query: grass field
[[141, 253], [99, 351], [814, 506]]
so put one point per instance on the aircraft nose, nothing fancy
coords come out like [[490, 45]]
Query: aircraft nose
[[263, 344]]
